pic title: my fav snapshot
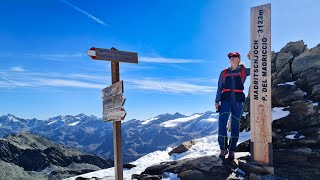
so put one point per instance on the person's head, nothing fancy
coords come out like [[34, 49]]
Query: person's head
[[234, 58]]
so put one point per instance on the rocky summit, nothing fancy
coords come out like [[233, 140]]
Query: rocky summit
[[27, 155], [296, 91]]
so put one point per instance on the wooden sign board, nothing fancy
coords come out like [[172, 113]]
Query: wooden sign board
[[116, 114], [260, 89], [113, 90], [112, 55], [113, 102]]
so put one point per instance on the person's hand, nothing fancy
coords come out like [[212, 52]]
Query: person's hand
[[217, 106], [249, 55]]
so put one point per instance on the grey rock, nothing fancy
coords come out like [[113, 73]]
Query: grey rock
[[255, 167], [309, 78], [284, 95], [295, 48], [306, 151], [14, 172], [315, 92], [284, 75], [185, 146], [302, 108], [128, 166], [308, 59], [254, 176], [283, 59], [194, 174], [205, 167]]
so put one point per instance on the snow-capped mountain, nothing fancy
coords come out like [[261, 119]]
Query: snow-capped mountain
[[92, 135]]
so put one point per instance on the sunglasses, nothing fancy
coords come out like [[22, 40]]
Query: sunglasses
[[233, 56]]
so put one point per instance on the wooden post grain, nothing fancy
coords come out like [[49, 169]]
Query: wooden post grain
[[260, 90], [117, 140]]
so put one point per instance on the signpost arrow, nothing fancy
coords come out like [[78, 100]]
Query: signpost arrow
[[112, 55], [116, 114], [113, 101], [113, 90]]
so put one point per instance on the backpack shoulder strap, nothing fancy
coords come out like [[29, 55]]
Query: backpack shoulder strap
[[224, 73], [243, 73]]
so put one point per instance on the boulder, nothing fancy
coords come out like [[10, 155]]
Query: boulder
[[308, 59], [315, 92], [283, 95], [295, 48], [244, 146], [284, 75], [128, 166], [185, 146], [206, 167], [283, 59]]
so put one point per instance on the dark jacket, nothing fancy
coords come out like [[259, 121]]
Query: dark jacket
[[232, 82]]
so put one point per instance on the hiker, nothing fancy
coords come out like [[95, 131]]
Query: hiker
[[230, 101]]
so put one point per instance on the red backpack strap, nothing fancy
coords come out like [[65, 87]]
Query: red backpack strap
[[243, 73], [224, 74]]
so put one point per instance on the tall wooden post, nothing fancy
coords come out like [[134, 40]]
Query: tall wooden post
[[113, 99], [260, 90], [117, 140]]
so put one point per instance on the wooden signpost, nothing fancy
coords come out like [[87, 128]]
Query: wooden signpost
[[113, 99], [116, 114], [260, 89]]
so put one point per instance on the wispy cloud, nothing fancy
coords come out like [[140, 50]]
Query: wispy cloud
[[169, 60], [67, 83], [60, 80], [56, 56], [17, 69], [168, 86], [84, 12], [11, 82]]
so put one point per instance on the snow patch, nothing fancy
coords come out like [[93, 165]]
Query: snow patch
[[12, 118], [279, 112], [210, 120], [73, 124], [89, 130], [148, 120], [170, 176], [52, 122], [175, 122], [292, 136], [287, 83]]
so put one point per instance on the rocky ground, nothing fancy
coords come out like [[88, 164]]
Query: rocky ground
[[26, 155]]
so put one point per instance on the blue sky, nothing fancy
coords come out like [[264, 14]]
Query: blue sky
[[182, 47]]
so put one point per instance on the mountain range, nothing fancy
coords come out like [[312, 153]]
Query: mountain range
[[91, 135]]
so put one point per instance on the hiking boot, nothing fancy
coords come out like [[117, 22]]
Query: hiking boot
[[231, 155], [223, 154]]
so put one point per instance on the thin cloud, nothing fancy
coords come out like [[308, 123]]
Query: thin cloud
[[57, 56], [12, 82], [167, 86], [60, 80], [169, 60], [84, 12], [67, 83], [17, 69]]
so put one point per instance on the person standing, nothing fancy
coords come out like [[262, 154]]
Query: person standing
[[230, 102]]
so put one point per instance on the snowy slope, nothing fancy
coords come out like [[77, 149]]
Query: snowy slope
[[203, 147]]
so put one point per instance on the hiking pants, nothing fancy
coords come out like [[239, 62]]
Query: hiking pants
[[235, 109]]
